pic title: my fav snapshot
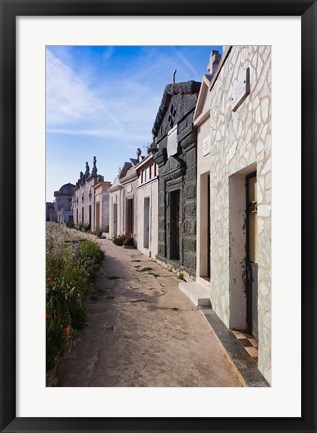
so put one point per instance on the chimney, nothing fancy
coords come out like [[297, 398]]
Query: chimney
[[213, 62]]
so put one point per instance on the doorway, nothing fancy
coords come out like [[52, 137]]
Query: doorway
[[174, 224], [251, 255], [115, 219], [129, 222], [243, 240], [98, 215], [204, 252]]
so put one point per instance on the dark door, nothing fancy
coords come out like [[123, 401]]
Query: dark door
[[129, 228], [252, 247], [174, 224], [98, 215]]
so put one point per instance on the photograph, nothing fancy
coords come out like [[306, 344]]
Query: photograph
[[158, 216]]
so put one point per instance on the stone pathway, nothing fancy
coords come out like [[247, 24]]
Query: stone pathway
[[143, 331]]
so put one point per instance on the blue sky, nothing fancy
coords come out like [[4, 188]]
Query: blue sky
[[102, 101]]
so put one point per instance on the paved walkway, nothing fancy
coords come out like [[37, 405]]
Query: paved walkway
[[143, 331]]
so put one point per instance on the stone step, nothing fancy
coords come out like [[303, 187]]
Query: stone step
[[198, 294]]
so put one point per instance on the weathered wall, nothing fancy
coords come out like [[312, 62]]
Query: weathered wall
[[241, 142]]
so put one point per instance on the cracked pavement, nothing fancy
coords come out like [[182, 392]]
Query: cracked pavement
[[142, 331]]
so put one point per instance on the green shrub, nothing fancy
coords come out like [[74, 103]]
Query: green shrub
[[128, 242], [70, 224], [118, 240]]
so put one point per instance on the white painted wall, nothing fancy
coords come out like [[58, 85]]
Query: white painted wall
[[149, 189]]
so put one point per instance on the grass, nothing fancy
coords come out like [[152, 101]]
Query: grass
[[72, 265], [181, 276]]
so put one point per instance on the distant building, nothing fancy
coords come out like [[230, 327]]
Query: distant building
[[175, 138], [84, 203], [63, 203]]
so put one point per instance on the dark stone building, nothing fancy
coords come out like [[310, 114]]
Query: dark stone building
[[175, 138]]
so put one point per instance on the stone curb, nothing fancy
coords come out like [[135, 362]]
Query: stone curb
[[242, 363]]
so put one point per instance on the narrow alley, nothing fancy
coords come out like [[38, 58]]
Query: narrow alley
[[143, 331]]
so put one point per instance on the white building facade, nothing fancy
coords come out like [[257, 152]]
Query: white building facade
[[147, 206], [101, 194]]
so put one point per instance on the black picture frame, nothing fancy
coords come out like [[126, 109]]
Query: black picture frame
[[9, 10]]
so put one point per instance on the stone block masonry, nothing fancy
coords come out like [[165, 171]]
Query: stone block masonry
[[177, 176], [241, 147]]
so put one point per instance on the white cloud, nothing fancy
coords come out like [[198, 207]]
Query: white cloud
[[110, 133], [68, 98]]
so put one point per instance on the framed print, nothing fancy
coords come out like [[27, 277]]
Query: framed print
[[36, 38]]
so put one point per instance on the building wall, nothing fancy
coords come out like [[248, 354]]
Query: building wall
[[203, 170], [240, 144], [115, 198], [148, 190]]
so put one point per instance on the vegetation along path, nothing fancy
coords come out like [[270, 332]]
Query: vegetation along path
[[142, 331]]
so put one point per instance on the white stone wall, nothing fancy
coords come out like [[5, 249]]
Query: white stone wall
[[150, 190], [241, 143], [116, 197], [102, 197]]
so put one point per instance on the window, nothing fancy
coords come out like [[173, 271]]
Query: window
[[172, 142]]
